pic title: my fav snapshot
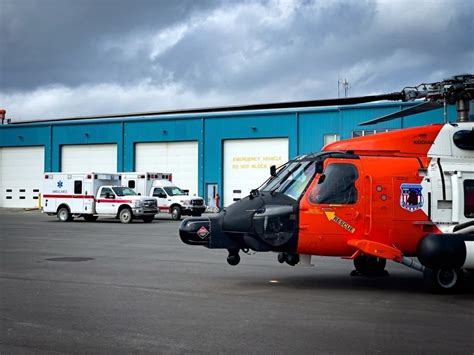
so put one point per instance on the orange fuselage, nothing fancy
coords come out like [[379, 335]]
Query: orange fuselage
[[387, 161], [325, 229]]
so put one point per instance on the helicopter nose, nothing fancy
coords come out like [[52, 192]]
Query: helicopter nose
[[207, 231], [195, 231]]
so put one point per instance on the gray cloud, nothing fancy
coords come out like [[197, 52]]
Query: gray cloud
[[153, 55], [62, 41]]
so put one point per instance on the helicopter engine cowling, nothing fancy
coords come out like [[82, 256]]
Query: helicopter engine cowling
[[447, 251]]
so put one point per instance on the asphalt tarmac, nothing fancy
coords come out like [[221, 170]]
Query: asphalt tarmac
[[104, 287]]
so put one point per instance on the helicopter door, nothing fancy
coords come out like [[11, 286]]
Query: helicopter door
[[331, 212]]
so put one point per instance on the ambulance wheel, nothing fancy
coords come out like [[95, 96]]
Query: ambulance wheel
[[176, 213], [444, 281], [148, 219], [90, 218], [369, 265], [64, 215], [125, 215]]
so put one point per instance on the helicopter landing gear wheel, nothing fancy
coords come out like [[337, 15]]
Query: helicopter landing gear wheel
[[289, 258], [281, 257], [444, 281], [292, 259], [233, 258], [366, 265]]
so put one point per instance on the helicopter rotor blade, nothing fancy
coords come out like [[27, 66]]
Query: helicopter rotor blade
[[396, 96], [423, 107]]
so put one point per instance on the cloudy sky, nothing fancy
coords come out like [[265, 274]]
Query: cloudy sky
[[62, 58]]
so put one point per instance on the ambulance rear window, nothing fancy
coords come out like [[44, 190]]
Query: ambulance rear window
[[78, 186], [469, 198], [131, 184]]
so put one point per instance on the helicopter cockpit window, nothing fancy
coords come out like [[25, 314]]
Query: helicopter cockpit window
[[292, 179], [336, 185]]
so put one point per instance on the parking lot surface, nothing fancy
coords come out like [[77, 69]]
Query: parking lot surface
[[105, 287]]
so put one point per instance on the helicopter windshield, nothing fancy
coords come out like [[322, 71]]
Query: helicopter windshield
[[292, 179]]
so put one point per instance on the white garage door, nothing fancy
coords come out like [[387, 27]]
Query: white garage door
[[178, 158], [89, 158], [21, 176], [247, 164]]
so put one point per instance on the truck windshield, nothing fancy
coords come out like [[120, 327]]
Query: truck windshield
[[124, 191], [174, 191], [292, 179]]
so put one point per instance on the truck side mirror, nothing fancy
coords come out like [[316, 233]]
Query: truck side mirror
[[161, 195], [139, 194], [273, 170], [107, 195]]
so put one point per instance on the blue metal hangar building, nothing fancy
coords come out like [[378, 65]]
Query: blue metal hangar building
[[221, 152]]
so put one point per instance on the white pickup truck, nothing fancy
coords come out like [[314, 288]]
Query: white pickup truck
[[170, 198], [92, 195]]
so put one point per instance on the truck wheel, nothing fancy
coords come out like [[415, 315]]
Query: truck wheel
[[125, 215], [148, 219], [444, 281], [90, 217], [64, 215], [176, 213]]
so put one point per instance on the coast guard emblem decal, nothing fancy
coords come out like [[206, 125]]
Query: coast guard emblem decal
[[411, 198]]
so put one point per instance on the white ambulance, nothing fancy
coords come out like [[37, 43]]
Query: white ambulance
[[91, 195], [170, 198]]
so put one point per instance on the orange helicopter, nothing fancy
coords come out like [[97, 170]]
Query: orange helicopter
[[405, 195]]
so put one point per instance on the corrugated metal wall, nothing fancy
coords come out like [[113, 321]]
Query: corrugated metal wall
[[304, 129]]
